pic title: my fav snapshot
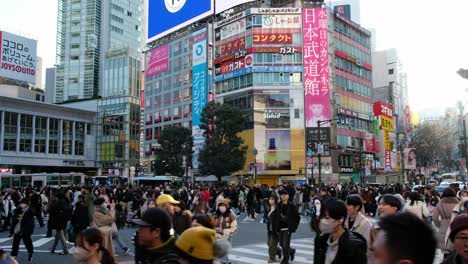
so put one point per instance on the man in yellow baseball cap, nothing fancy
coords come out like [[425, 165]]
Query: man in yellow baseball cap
[[167, 202]]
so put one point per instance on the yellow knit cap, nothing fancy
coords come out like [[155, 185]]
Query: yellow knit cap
[[197, 242]]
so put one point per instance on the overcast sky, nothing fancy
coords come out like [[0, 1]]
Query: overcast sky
[[431, 39]]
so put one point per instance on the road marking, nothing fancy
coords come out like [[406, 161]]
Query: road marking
[[254, 252], [2, 240], [42, 241]]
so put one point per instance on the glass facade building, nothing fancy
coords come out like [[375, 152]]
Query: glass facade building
[[86, 30], [118, 120]]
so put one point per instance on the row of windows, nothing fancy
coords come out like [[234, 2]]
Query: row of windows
[[116, 29], [353, 51], [259, 79], [353, 104], [275, 58], [353, 68], [355, 123], [352, 33], [352, 86], [40, 129]]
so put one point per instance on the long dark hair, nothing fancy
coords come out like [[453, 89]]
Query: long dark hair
[[94, 236]]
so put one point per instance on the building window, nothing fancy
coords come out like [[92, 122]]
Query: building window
[[117, 8], [11, 126], [40, 134], [89, 129], [67, 136], [390, 71], [129, 13], [53, 135], [79, 138], [38, 97], [26, 133], [116, 18]]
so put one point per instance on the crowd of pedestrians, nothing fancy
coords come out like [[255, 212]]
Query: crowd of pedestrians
[[374, 224]]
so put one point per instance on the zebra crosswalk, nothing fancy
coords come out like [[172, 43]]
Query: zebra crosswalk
[[258, 253]]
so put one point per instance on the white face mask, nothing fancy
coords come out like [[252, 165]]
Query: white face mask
[[327, 225], [23, 205], [8, 198], [271, 202], [222, 209], [81, 254]]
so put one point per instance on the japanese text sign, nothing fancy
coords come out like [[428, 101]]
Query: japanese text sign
[[387, 124], [387, 142], [231, 46], [272, 38], [233, 29], [383, 109], [408, 118], [316, 76], [388, 160], [158, 61], [17, 57], [281, 21], [199, 77]]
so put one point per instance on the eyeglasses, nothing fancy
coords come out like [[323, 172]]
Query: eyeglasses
[[464, 238]]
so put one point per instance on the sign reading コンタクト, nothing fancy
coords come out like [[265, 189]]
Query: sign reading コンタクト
[[17, 57]]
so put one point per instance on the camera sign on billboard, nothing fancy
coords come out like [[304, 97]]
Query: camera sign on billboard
[[18, 57]]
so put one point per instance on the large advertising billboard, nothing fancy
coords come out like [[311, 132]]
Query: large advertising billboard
[[167, 16], [158, 61], [17, 57], [199, 90], [274, 148], [316, 79]]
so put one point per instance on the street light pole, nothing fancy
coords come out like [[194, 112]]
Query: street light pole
[[255, 152]]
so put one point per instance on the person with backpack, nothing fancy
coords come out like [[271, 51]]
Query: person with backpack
[[337, 244], [60, 213], [22, 229]]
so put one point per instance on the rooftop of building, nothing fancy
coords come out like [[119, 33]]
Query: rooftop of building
[[6, 101]]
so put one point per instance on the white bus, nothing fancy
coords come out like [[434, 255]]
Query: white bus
[[42, 179], [156, 181]]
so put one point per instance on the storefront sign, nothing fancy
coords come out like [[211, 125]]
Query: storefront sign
[[281, 50], [346, 170], [230, 46], [272, 38], [270, 114], [233, 29], [281, 21], [386, 123], [233, 74], [277, 69], [383, 109], [388, 160], [275, 10]]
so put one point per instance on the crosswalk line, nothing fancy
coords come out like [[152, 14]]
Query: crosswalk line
[[242, 259], [42, 241], [3, 240], [294, 245], [254, 252]]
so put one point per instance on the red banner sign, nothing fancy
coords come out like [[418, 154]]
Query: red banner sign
[[383, 109], [408, 119], [272, 38], [231, 46]]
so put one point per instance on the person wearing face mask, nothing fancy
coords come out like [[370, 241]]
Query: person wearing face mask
[[22, 228], [104, 220], [90, 248], [289, 219], [225, 222], [8, 209], [272, 229], [337, 244]]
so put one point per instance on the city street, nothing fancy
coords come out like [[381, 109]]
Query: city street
[[248, 245]]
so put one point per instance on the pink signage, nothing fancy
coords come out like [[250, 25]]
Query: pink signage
[[369, 142], [316, 77], [158, 61]]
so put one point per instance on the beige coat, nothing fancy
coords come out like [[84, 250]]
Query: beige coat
[[362, 226], [442, 215], [104, 220]]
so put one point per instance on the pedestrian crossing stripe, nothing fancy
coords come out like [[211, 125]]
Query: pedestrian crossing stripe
[[247, 219], [258, 253]]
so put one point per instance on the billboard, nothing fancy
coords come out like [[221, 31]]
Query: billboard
[[408, 119], [199, 90], [410, 158], [383, 109], [274, 147], [17, 57], [369, 143], [344, 10], [158, 61], [167, 16]]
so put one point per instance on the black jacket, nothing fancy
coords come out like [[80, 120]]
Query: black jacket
[[352, 249], [453, 258], [292, 216], [80, 219], [27, 222], [58, 219], [273, 222]]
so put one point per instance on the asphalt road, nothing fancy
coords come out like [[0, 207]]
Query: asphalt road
[[248, 245]]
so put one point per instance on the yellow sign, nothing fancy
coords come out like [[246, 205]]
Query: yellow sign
[[387, 143], [387, 123]]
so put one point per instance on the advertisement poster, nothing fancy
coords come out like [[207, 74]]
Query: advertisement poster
[[17, 57], [281, 21], [408, 119], [410, 158], [388, 160], [275, 145], [158, 61], [316, 79], [369, 144], [199, 91]]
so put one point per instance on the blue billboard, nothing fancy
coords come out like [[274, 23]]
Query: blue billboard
[[166, 16]]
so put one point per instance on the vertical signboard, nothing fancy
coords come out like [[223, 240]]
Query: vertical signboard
[[199, 90], [384, 113], [17, 57], [316, 78], [408, 119]]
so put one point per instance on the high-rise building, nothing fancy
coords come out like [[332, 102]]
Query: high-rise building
[[39, 73], [86, 30], [50, 85], [265, 62]]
